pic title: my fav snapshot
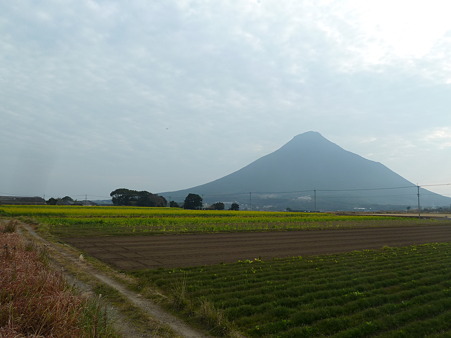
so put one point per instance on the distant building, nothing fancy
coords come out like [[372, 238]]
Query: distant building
[[86, 203], [64, 201], [17, 200]]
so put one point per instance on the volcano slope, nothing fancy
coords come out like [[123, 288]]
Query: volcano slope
[[143, 252]]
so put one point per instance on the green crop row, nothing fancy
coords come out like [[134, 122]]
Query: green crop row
[[66, 226], [391, 292]]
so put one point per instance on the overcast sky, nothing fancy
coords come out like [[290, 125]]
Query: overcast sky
[[166, 95]]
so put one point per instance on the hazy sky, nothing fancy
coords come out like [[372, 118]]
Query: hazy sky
[[165, 95]]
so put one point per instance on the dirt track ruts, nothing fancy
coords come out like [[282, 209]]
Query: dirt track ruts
[[140, 252], [180, 328]]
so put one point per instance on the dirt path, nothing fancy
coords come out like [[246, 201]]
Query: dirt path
[[140, 252], [155, 311]]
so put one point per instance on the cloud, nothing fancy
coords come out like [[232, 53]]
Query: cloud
[[215, 86], [440, 137]]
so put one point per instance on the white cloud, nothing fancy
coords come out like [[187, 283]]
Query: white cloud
[[440, 137], [219, 83]]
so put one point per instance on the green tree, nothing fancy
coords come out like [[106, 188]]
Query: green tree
[[52, 201], [174, 204], [193, 201], [66, 200], [235, 206], [129, 197], [122, 196], [217, 206], [147, 199]]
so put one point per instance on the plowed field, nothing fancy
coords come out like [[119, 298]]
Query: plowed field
[[141, 252]]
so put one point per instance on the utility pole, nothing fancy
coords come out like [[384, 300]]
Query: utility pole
[[250, 201], [418, 195], [314, 198]]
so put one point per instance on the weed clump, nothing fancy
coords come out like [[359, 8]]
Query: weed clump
[[202, 311], [10, 227]]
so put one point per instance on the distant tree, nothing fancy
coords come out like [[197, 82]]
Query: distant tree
[[129, 197], [217, 206], [66, 200], [122, 196], [174, 204], [193, 201], [52, 201], [235, 206], [147, 199]]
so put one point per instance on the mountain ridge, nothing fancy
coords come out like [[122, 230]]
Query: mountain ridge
[[311, 163]]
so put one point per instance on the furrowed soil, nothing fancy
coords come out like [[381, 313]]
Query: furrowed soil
[[166, 251]]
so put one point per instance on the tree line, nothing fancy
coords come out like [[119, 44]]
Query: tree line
[[127, 197], [136, 198]]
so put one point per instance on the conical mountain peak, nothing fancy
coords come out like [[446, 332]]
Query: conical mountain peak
[[310, 162], [309, 144], [308, 137]]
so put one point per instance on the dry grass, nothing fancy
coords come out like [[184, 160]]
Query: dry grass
[[35, 301], [10, 226]]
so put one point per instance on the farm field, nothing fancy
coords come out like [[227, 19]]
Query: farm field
[[273, 274], [392, 292], [73, 221], [147, 252]]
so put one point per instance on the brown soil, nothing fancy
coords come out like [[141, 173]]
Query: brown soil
[[140, 252]]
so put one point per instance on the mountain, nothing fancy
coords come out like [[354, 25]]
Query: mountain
[[312, 173]]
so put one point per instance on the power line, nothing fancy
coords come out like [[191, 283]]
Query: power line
[[304, 191], [313, 190], [434, 185], [369, 189]]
